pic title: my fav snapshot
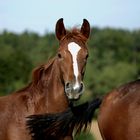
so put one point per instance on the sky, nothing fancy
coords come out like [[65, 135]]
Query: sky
[[40, 16]]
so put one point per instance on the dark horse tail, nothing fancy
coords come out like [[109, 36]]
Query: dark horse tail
[[75, 118]]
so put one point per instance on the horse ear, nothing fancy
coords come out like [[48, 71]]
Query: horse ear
[[60, 29], [85, 29]]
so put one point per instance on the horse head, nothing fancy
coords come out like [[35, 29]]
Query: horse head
[[72, 57]]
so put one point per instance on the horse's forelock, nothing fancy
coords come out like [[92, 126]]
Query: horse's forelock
[[75, 34]]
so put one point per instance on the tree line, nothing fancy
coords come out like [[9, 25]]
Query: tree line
[[114, 58]]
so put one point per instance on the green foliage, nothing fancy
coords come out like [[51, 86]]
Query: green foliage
[[112, 76], [14, 71], [114, 59]]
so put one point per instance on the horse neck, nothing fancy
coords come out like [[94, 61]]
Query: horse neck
[[54, 98]]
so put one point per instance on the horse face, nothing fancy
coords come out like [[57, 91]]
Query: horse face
[[72, 57]]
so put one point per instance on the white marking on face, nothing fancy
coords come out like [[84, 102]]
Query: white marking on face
[[74, 49]]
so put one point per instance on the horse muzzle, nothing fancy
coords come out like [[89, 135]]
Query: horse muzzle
[[74, 91]]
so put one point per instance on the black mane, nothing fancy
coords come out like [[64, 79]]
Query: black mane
[[52, 126]]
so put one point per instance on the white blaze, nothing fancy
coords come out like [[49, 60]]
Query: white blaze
[[74, 49]]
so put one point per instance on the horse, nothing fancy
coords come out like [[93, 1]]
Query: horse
[[54, 85], [76, 119], [119, 115]]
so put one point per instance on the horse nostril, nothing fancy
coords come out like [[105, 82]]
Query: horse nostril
[[81, 87], [67, 85]]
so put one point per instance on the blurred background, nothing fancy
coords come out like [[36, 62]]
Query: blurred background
[[27, 39]]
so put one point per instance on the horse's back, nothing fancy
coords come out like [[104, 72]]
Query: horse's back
[[119, 116]]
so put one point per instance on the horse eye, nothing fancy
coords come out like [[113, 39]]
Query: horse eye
[[59, 55]]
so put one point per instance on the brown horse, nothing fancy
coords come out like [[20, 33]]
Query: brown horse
[[119, 117], [53, 85]]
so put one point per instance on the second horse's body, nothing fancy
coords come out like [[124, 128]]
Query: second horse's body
[[119, 117]]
